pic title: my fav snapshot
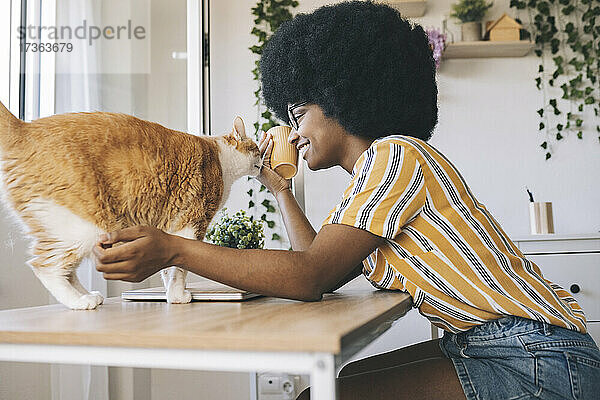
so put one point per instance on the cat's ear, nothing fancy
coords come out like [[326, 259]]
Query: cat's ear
[[239, 131]]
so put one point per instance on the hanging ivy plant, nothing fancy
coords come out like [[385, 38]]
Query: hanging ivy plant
[[567, 40], [269, 15]]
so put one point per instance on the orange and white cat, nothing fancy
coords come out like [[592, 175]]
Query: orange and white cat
[[71, 177]]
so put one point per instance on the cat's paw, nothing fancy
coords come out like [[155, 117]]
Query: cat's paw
[[87, 302], [99, 297], [179, 296]]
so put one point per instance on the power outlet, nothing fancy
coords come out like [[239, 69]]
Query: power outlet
[[277, 386]]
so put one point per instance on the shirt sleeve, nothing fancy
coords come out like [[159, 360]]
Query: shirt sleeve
[[386, 191]]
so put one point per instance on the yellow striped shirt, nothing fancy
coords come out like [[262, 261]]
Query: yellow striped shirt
[[443, 246]]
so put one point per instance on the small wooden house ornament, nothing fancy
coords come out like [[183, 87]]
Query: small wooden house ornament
[[504, 29]]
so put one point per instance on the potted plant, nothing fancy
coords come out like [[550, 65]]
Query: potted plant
[[470, 13], [238, 231]]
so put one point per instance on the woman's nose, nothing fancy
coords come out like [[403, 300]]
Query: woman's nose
[[293, 136]]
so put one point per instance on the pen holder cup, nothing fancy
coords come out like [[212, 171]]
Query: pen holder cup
[[540, 218]]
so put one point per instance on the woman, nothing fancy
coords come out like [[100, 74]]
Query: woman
[[357, 84]]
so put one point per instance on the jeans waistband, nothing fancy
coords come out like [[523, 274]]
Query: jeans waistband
[[505, 327]]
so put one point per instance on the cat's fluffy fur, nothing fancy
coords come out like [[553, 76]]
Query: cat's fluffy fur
[[69, 178]]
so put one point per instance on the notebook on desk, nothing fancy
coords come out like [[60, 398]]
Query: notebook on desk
[[205, 290]]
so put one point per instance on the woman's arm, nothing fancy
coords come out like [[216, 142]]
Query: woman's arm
[[298, 228], [351, 275], [302, 275]]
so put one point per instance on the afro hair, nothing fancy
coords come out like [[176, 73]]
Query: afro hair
[[362, 63]]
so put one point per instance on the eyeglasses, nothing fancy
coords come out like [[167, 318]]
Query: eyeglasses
[[291, 117]]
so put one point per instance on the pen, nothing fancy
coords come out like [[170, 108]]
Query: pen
[[530, 195]]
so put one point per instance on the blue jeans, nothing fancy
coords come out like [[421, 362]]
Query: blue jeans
[[516, 358]]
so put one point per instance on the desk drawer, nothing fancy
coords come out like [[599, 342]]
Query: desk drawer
[[575, 269]]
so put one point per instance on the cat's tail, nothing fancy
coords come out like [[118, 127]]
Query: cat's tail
[[9, 125]]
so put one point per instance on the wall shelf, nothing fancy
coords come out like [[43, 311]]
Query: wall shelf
[[408, 8], [486, 49]]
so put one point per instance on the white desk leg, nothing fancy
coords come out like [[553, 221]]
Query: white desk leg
[[322, 378]]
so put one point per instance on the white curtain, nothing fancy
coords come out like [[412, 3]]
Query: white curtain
[[78, 88], [78, 78]]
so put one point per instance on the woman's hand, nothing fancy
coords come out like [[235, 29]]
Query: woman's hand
[[268, 177], [145, 250]]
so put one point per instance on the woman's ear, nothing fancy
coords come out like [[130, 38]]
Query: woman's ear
[[239, 131]]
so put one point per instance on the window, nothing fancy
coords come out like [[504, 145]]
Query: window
[[164, 77]]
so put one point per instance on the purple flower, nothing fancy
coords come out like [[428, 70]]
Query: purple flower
[[437, 41]]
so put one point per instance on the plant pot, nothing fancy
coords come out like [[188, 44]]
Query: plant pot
[[471, 31]]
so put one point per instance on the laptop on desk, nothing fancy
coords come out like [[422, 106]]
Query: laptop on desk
[[205, 290]]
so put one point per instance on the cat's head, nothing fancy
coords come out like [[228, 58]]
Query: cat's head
[[243, 151]]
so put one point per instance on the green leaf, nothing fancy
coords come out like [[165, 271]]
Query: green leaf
[[568, 10], [251, 204], [541, 112], [580, 135], [256, 49], [565, 89], [541, 68], [579, 122], [548, 155], [554, 45], [271, 224], [250, 192], [558, 136], [569, 27], [275, 237], [559, 127], [580, 108], [544, 145], [589, 100], [543, 7], [576, 81], [542, 126], [262, 188]]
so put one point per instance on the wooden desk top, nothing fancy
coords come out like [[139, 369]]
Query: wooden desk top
[[261, 324]]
